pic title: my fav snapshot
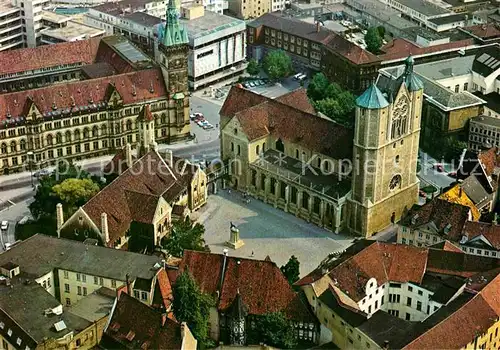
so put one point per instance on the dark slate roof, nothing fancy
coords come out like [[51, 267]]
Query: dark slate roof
[[22, 309], [372, 98], [487, 61], [448, 19], [352, 316], [292, 26], [40, 254], [382, 327], [143, 19], [492, 100], [443, 289]]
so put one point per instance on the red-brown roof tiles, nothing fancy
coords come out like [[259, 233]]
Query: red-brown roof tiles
[[484, 31], [260, 118], [135, 325], [352, 52], [83, 51], [133, 87], [144, 182], [400, 48], [489, 231], [297, 99], [260, 283], [462, 327], [458, 264], [489, 159]]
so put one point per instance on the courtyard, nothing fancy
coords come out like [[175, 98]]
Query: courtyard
[[266, 231]]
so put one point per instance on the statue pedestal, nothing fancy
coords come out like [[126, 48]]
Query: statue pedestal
[[235, 242]]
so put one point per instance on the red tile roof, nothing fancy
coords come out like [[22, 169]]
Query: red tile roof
[[45, 56], [400, 48], [134, 194], [463, 326], [448, 246], [297, 99], [163, 282], [484, 31], [396, 263], [489, 231], [259, 118], [352, 52], [260, 283], [490, 159], [57, 101], [135, 325]]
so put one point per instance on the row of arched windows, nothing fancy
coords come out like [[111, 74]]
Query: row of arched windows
[[12, 147]]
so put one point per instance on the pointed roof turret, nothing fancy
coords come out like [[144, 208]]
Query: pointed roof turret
[[174, 33], [413, 83], [372, 98], [145, 114]]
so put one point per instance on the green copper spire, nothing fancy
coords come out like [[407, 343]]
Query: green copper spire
[[175, 33]]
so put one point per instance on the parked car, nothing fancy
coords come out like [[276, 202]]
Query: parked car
[[247, 85], [199, 115], [4, 226], [363, 32], [192, 116], [296, 76], [42, 173], [302, 77], [422, 194]]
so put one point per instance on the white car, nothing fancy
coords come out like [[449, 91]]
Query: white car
[[4, 226]]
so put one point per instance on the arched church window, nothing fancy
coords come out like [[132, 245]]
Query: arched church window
[[399, 122], [395, 182]]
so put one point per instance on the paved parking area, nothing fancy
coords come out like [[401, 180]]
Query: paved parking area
[[266, 231]]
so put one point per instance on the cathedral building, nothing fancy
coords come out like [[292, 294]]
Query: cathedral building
[[360, 180], [82, 100]]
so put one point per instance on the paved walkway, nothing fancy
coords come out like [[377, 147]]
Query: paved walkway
[[266, 231]]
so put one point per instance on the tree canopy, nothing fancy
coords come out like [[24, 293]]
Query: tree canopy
[[373, 40], [253, 67], [274, 329], [192, 306], [331, 100], [291, 269], [184, 235], [277, 65], [76, 192]]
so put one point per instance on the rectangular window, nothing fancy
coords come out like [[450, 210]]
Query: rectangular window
[[96, 280], [407, 316], [84, 290], [68, 301], [66, 274], [410, 289], [144, 296], [78, 277], [101, 281], [420, 292], [137, 294], [419, 305], [79, 290], [408, 301], [66, 288], [84, 278], [395, 285], [113, 283]]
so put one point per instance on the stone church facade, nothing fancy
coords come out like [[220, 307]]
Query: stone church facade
[[361, 180]]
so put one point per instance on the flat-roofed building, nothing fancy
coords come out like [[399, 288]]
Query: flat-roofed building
[[11, 26], [420, 11], [61, 29]]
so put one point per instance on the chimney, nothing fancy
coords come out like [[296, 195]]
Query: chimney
[[60, 218], [317, 26], [128, 154], [386, 344], [127, 280], [460, 192], [104, 227]]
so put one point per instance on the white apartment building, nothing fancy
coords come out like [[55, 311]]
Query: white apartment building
[[217, 6], [420, 11], [109, 15], [217, 47], [31, 13], [11, 26]]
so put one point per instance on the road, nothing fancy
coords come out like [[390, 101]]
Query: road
[[430, 176], [16, 189]]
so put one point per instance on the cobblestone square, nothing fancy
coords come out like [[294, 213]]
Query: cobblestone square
[[266, 231]]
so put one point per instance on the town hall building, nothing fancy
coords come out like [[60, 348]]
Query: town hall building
[[363, 179]]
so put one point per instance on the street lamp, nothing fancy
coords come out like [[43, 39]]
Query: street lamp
[[30, 165]]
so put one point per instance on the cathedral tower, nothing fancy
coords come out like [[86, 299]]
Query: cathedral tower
[[172, 55], [387, 129]]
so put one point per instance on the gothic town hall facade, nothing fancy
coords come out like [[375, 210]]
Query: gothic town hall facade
[[359, 180]]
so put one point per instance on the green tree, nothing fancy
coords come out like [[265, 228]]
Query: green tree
[[373, 40], [76, 192], [253, 67], [277, 65], [291, 269], [274, 329], [453, 149], [381, 31], [185, 235], [192, 306], [318, 86], [340, 110]]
